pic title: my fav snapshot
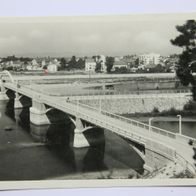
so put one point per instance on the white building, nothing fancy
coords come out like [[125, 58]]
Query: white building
[[151, 58], [34, 62], [90, 64], [56, 62], [52, 67], [43, 63], [102, 59]]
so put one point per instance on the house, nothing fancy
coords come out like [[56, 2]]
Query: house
[[102, 59], [17, 64], [134, 69], [34, 62], [150, 58], [90, 65], [29, 67], [119, 64], [52, 67], [43, 63], [141, 67]]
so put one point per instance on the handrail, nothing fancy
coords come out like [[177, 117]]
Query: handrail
[[137, 123], [191, 167], [133, 122]]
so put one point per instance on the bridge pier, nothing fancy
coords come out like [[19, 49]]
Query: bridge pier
[[38, 113], [17, 103], [80, 140]]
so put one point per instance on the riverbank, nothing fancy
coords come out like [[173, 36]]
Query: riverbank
[[172, 170], [188, 111]]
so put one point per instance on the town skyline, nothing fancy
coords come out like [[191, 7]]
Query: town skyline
[[87, 36]]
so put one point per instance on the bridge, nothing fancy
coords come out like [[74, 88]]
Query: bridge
[[161, 146]]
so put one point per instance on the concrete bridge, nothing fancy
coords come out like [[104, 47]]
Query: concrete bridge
[[161, 146]]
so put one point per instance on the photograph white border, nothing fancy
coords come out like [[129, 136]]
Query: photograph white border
[[175, 6]]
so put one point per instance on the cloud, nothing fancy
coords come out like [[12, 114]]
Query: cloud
[[89, 37]]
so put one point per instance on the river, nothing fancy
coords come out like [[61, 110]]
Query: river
[[30, 152], [171, 124]]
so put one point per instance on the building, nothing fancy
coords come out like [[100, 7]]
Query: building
[[102, 59], [43, 63], [90, 65], [34, 62], [119, 64], [56, 62], [52, 67], [151, 58]]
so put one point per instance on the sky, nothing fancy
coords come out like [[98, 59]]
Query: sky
[[89, 35]]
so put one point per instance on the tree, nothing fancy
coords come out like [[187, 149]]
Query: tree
[[80, 64], [72, 62], [62, 64], [137, 62], [121, 70], [109, 63], [98, 66], [187, 59]]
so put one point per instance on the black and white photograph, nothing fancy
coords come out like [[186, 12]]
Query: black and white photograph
[[98, 98]]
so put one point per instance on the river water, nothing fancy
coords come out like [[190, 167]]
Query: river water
[[171, 124], [30, 152]]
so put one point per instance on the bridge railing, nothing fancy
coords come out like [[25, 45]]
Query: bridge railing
[[187, 165], [132, 122]]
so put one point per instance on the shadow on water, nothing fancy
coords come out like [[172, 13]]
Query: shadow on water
[[94, 155], [10, 109]]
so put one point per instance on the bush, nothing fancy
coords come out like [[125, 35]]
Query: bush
[[190, 106], [173, 111], [155, 110]]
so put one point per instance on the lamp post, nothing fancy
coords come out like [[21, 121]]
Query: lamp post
[[180, 123], [150, 123]]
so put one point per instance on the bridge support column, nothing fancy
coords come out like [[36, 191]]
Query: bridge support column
[[80, 140], [17, 103], [38, 113]]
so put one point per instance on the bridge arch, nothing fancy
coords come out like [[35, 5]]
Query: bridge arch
[[9, 74]]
